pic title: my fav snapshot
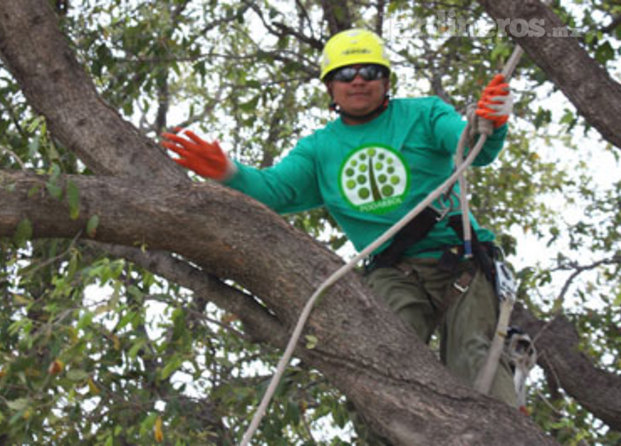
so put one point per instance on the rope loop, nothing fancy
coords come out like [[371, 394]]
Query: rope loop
[[477, 125]]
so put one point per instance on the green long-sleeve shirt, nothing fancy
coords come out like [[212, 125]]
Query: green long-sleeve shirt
[[368, 176]]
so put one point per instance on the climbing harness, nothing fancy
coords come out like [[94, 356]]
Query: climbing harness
[[413, 232], [457, 176]]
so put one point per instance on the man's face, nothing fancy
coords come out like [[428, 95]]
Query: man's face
[[359, 96]]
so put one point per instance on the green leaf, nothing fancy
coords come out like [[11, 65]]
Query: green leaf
[[311, 341], [135, 292], [133, 352], [146, 425], [23, 232], [340, 415], [77, 375], [604, 53], [91, 225], [126, 319], [21, 299], [251, 105], [543, 117], [52, 152], [86, 320], [18, 404], [73, 199], [292, 412], [24, 324], [55, 172], [171, 366], [34, 124], [33, 147], [54, 190]]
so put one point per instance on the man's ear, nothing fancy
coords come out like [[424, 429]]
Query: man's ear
[[387, 85], [333, 105], [328, 85]]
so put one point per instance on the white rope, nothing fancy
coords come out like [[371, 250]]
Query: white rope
[[485, 378], [478, 126]]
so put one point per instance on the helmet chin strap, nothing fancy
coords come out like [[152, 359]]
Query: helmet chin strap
[[361, 118]]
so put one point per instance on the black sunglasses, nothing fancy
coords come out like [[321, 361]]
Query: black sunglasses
[[368, 72]]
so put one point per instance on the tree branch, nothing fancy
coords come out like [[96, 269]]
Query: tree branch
[[337, 14], [558, 344], [580, 77], [260, 324], [577, 270]]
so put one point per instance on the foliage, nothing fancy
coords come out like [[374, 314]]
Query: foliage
[[97, 350]]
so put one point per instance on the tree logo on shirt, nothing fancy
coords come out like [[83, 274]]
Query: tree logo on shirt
[[374, 178]]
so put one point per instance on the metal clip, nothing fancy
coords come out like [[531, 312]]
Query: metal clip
[[506, 285], [447, 203], [462, 289]]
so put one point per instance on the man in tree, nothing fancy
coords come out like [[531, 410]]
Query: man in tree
[[369, 167]]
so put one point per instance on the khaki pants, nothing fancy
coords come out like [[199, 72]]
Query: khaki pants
[[468, 326]]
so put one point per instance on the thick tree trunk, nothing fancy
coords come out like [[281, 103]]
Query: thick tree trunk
[[394, 380]]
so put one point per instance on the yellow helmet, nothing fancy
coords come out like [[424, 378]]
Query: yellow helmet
[[354, 46]]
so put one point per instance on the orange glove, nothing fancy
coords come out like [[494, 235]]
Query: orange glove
[[496, 103], [205, 158]]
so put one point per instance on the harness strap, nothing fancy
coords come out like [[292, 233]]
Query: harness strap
[[454, 292], [410, 234], [483, 252]]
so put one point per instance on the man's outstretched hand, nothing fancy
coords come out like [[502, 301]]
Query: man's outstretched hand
[[205, 158]]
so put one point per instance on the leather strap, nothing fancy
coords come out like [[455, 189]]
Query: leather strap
[[455, 291]]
